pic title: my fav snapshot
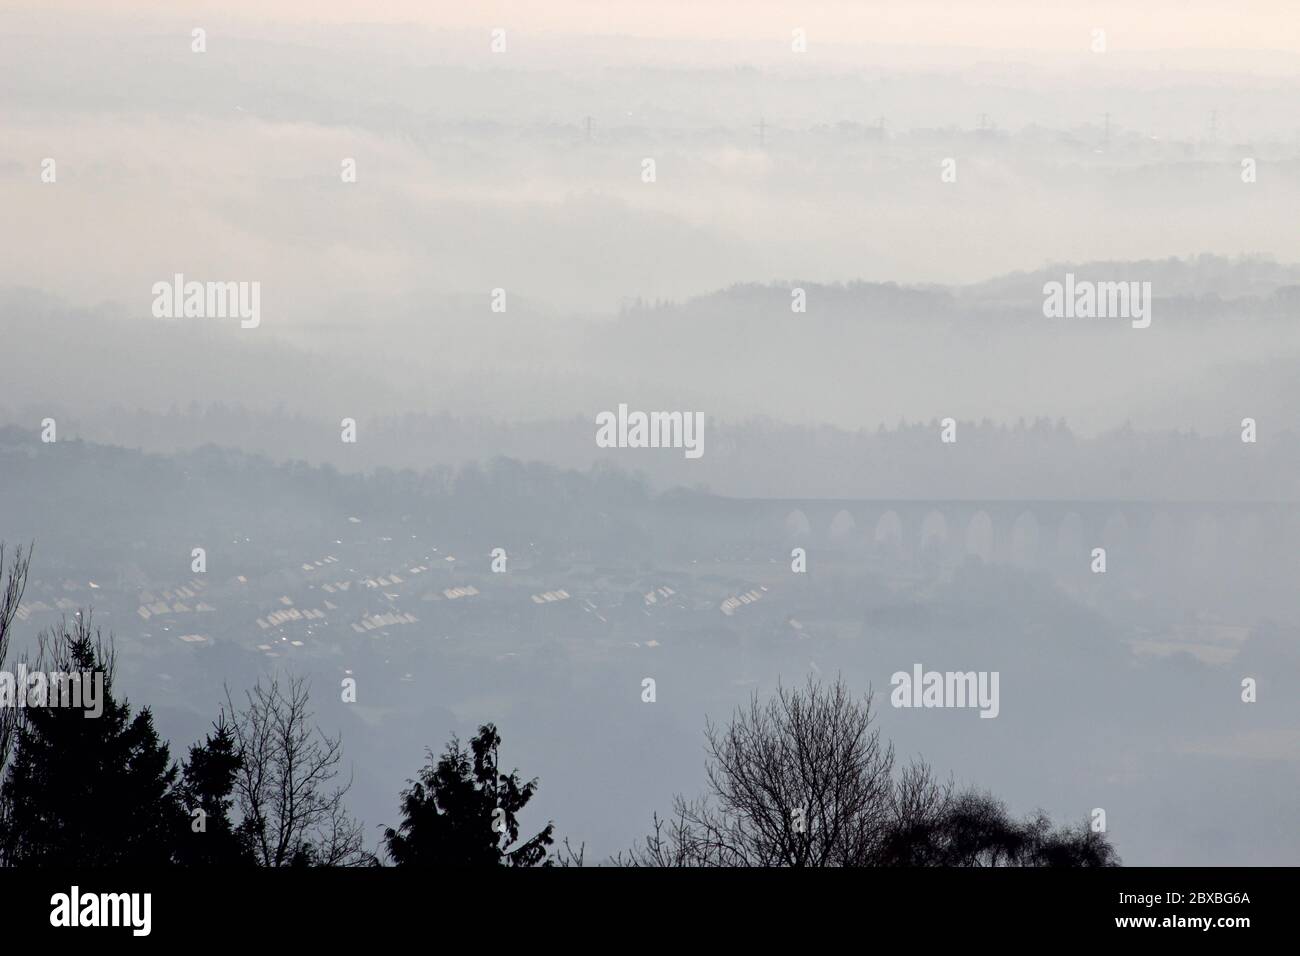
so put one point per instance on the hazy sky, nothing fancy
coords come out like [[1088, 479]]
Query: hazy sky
[[1045, 25], [476, 173]]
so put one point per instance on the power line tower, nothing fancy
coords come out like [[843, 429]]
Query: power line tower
[[762, 132], [588, 129]]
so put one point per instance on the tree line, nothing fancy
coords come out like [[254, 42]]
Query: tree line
[[802, 779]]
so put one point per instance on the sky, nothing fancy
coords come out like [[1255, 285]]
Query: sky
[[1004, 24], [1048, 28]]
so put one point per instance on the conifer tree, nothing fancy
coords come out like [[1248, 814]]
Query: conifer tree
[[462, 811], [207, 792], [82, 789]]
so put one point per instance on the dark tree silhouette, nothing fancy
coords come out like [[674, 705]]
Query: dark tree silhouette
[[975, 829], [805, 780], [290, 807], [14, 581], [207, 786], [463, 812], [84, 790]]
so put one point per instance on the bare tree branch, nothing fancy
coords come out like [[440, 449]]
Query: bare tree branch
[[291, 809]]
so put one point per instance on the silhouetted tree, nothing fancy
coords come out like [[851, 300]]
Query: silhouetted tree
[[1066, 845], [975, 829], [291, 809], [463, 812], [805, 780], [14, 581], [207, 787], [83, 789]]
